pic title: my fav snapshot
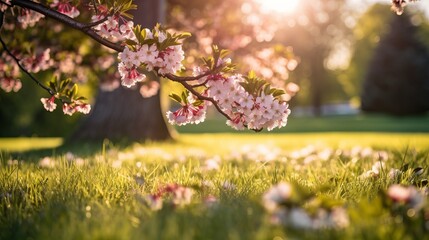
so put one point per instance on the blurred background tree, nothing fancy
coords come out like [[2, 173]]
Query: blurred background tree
[[75, 55], [317, 31], [370, 26], [397, 81]]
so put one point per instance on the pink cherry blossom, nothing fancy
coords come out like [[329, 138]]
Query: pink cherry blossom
[[9, 84], [3, 7], [68, 109], [150, 89], [83, 108], [127, 30], [28, 18], [130, 75], [149, 56], [172, 58], [65, 7], [114, 27], [49, 104], [187, 114], [277, 195], [38, 62]]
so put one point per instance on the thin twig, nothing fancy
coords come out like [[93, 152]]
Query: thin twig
[[5, 3], [23, 69], [93, 24], [1, 20], [200, 85]]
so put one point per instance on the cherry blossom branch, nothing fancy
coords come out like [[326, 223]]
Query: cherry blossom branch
[[67, 21], [86, 29], [259, 109], [23, 68]]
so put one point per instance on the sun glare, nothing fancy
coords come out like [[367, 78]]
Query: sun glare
[[281, 6]]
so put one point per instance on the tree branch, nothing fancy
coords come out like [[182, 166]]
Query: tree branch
[[67, 21], [200, 85], [23, 69], [5, 3]]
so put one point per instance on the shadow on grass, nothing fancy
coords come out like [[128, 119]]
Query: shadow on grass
[[82, 148]]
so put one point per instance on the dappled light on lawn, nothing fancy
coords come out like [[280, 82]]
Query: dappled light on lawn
[[262, 188]]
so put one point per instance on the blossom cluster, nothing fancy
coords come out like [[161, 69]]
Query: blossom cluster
[[409, 196], [65, 7], [9, 74], [149, 57], [114, 27], [399, 5], [38, 62], [174, 194], [68, 108], [278, 202], [245, 108], [149, 89], [29, 18], [191, 111], [128, 67]]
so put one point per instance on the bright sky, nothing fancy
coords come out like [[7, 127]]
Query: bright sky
[[422, 4]]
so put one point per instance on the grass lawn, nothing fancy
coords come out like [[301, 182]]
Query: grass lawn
[[219, 186]]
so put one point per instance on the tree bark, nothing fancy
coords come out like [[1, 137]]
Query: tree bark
[[123, 114], [317, 79]]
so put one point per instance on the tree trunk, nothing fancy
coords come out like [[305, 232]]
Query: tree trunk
[[123, 114], [317, 79]]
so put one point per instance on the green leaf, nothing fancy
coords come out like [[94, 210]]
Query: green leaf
[[198, 103], [184, 35], [224, 53], [64, 84], [175, 97], [81, 98], [251, 74], [276, 92], [185, 95], [52, 86], [130, 42], [74, 90], [267, 89]]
